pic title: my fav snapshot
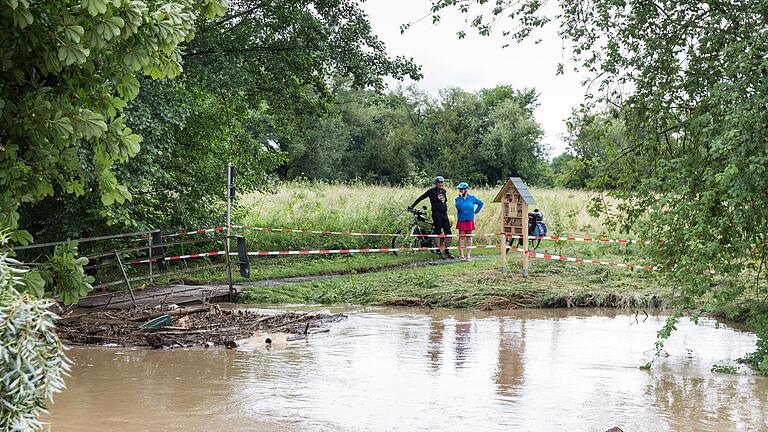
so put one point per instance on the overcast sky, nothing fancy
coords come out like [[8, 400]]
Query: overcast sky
[[477, 62]]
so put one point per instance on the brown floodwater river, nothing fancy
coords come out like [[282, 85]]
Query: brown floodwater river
[[438, 370]]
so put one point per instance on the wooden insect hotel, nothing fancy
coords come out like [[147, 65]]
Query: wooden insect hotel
[[515, 199]]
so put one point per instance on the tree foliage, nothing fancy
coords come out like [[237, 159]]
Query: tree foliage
[[482, 137], [250, 76], [593, 139], [69, 70], [32, 359], [687, 81]]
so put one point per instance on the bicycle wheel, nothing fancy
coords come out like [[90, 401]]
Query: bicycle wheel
[[397, 242], [534, 243], [419, 241]]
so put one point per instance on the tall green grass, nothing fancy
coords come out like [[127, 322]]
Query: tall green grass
[[381, 209]]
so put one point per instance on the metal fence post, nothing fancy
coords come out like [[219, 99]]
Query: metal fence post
[[230, 195], [151, 279], [127, 281]]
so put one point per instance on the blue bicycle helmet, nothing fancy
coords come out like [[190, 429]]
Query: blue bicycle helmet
[[463, 185]]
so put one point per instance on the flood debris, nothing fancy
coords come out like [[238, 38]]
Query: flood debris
[[408, 302], [205, 326]]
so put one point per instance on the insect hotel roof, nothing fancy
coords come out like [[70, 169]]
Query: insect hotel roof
[[516, 184]]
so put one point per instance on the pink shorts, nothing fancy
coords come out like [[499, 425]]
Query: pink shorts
[[465, 225]]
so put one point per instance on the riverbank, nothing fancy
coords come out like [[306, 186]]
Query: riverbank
[[479, 285]]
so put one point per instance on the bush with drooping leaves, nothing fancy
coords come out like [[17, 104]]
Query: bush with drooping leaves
[[32, 359]]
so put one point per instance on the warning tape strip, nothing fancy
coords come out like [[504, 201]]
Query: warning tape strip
[[583, 239], [310, 252], [388, 250], [588, 261], [348, 233], [193, 232], [179, 257], [361, 234], [372, 250]]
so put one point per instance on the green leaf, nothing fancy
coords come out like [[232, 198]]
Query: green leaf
[[94, 7], [22, 237], [91, 124], [215, 8], [22, 17], [131, 141], [62, 125], [34, 283], [107, 198], [74, 33]]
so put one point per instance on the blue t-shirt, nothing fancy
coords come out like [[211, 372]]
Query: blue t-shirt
[[465, 207]]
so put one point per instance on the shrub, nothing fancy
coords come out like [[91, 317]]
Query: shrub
[[32, 359]]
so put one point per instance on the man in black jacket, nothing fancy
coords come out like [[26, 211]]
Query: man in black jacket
[[441, 224]]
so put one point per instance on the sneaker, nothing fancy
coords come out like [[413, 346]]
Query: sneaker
[[449, 256], [469, 259], [462, 258]]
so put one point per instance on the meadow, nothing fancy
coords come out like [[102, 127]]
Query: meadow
[[390, 279], [381, 209]]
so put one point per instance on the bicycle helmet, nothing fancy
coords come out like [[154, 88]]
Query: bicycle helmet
[[463, 185], [439, 179]]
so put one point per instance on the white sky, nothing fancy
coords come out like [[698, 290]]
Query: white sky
[[477, 62]]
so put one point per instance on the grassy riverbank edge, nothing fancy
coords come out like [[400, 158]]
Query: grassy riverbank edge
[[478, 285]]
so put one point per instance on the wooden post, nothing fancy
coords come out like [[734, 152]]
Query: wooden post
[[503, 243], [524, 220]]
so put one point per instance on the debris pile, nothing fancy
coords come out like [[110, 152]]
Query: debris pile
[[173, 327]]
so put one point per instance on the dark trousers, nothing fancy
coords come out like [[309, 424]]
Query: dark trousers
[[441, 225]]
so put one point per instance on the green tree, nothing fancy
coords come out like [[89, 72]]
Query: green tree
[[69, 70], [512, 145], [480, 137], [253, 78], [687, 79], [483, 137], [592, 140]]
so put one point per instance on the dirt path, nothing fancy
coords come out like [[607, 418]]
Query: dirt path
[[178, 294]]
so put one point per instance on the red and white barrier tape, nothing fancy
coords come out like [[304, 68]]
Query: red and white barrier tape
[[311, 252], [362, 234], [193, 232], [388, 250], [588, 261], [180, 257], [348, 233], [371, 250], [582, 239]]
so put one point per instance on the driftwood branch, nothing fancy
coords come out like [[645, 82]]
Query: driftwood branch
[[177, 312]]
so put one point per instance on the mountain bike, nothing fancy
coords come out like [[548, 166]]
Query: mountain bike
[[417, 227], [536, 228]]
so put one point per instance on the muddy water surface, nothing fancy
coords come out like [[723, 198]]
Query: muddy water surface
[[384, 369]]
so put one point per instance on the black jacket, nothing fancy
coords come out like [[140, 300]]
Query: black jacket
[[438, 199]]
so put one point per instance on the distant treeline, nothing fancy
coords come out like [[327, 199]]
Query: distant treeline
[[405, 135]]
